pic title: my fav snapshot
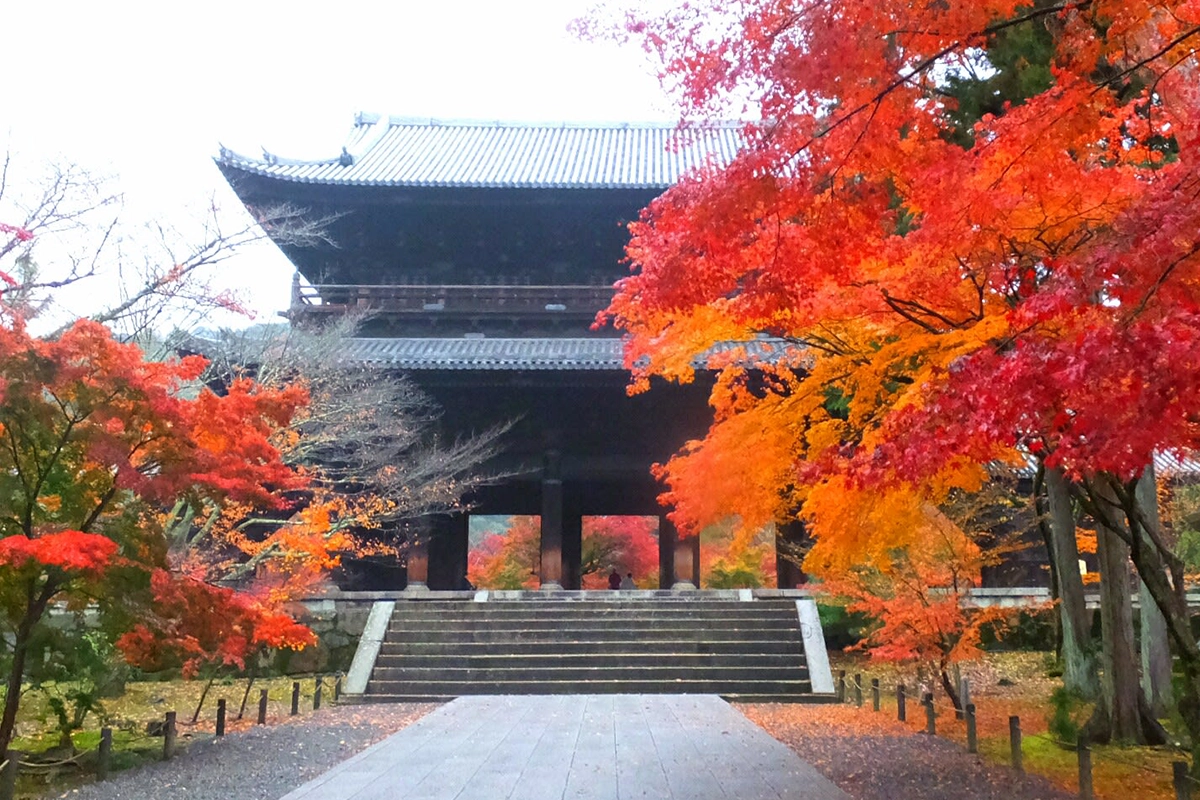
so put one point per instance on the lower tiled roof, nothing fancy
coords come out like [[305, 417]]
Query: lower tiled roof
[[511, 354]]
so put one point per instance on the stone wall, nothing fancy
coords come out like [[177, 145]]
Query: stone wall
[[338, 623]]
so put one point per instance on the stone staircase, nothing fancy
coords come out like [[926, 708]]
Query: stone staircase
[[644, 643]]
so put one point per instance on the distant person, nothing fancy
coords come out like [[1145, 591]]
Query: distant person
[[627, 581], [614, 580]]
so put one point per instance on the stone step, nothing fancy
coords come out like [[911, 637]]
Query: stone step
[[472, 649], [610, 601], [607, 615], [591, 624], [792, 697], [607, 660], [612, 686], [594, 634], [550, 673], [592, 608]]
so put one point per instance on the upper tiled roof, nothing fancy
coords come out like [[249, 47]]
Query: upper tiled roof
[[514, 354], [391, 151]]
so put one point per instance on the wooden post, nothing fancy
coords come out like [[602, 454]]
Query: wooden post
[[221, 717], [858, 694], [875, 694], [337, 688], [262, 707], [1014, 742], [8, 775], [972, 733], [317, 694], [901, 711], [169, 736], [1183, 784], [1085, 770], [295, 698], [841, 686], [104, 758], [930, 714], [964, 698]]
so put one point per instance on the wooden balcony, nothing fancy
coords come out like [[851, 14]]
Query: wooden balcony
[[461, 301]]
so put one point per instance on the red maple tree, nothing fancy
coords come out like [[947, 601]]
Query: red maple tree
[[95, 440]]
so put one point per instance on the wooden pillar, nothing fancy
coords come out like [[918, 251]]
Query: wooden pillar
[[572, 549], [666, 553], [692, 543], [448, 551], [684, 554], [790, 542], [417, 561], [552, 533]]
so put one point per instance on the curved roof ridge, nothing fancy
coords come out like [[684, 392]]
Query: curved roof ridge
[[409, 151], [480, 122]]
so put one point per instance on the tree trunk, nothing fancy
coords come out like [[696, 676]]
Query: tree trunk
[[1044, 527], [1161, 572], [203, 696], [1155, 646], [1120, 685], [1080, 674], [245, 697], [16, 676]]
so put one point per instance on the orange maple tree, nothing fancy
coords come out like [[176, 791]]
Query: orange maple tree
[[943, 294]]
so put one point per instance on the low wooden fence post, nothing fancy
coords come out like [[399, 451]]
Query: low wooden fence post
[[964, 698], [1085, 770], [169, 736], [1182, 781], [841, 686], [930, 714], [337, 688], [972, 733], [295, 698], [262, 707], [858, 694], [1014, 743], [104, 757], [901, 711], [317, 694], [221, 717], [875, 694], [8, 775]]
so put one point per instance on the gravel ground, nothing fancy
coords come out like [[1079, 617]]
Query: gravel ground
[[871, 759], [259, 763], [879, 762]]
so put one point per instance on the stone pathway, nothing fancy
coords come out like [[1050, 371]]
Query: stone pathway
[[582, 747]]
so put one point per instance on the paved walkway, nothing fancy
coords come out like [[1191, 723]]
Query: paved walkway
[[582, 747]]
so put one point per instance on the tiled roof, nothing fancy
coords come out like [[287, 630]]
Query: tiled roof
[[510, 354], [1164, 466], [391, 151]]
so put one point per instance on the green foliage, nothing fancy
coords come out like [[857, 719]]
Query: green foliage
[[78, 668], [739, 572], [842, 629], [1064, 708], [1184, 512], [1016, 67], [1027, 630]]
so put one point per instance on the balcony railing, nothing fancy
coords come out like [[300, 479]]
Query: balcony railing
[[460, 300]]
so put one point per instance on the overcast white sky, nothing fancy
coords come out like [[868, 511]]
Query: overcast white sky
[[148, 89]]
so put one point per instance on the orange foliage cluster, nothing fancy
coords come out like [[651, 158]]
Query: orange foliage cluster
[[233, 626], [940, 299]]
